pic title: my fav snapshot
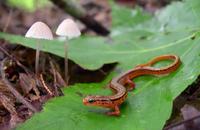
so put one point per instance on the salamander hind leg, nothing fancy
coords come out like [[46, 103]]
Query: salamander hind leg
[[130, 83], [116, 111]]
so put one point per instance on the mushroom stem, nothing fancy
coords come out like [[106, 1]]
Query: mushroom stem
[[37, 57], [39, 30], [66, 61], [68, 30]]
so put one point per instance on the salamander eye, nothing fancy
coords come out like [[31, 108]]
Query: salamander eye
[[91, 100]]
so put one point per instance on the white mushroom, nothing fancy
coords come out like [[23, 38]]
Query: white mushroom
[[67, 29], [39, 30]]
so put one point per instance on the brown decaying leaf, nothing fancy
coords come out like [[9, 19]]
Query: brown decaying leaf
[[27, 84], [9, 105], [12, 89]]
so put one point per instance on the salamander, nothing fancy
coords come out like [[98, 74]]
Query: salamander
[[123, 82]]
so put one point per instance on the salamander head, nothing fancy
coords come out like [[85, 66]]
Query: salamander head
[[95, 101], [89, 100]]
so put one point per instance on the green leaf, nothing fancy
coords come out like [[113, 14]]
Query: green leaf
[[173, 30], [123, 16]]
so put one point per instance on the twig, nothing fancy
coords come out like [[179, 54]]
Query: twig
[[181, 122], [103, 72], [13, 91], [14, 59], [45, 86], [60, 79], [78, 12], [55, 77]]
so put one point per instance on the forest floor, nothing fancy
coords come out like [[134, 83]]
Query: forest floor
[[19, 59]]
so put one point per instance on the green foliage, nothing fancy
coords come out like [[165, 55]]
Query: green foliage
[[173, 30], [29, 5]]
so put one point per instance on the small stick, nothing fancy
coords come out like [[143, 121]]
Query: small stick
[[45, 86], [14, 59], [54, 75], [181, 122], [13, 91]]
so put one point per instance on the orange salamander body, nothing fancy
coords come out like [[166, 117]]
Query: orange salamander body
[[118, 83]]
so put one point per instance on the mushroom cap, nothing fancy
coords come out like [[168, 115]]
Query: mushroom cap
[[39, 30], [68, 28]]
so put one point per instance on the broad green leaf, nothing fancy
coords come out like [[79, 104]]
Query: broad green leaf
[[173, 30], [125, 17]]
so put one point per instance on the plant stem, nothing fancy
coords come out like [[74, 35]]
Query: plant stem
[[66, 62], [37, 57]]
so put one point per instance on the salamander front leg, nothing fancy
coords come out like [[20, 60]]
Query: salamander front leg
[[131, 84], [116, 112]]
